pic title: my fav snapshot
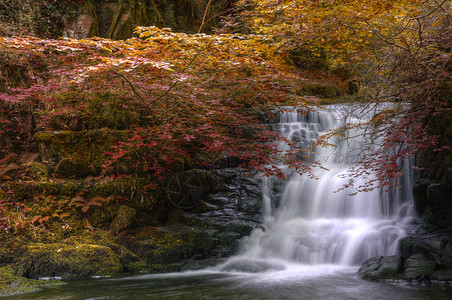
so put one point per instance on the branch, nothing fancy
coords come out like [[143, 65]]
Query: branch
[[218, 14], [204, 17], [177, 81], [406, 49], [133, 88], [439, 5]]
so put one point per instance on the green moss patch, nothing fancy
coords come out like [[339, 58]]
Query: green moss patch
[[85, 149], [161, 246], [70, 261], [11, 283], [322, 90]]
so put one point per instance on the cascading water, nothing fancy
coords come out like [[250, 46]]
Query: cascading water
[[308, 246], [315, 223]]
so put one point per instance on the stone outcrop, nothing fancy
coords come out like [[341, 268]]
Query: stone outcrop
[[424, 257], [433, 202]]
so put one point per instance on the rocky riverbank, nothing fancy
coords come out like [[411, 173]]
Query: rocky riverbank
[[189, 239], [426, 253]]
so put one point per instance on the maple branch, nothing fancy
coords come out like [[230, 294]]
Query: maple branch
[[178, 81], [218, 14], [406, 48], [133, 89], [439, 5], [204, 17]]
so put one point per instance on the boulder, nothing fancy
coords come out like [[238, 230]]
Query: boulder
[[11, 283], [433, 203], [123, 219], [69, 261], [381, 268], [419, 266]]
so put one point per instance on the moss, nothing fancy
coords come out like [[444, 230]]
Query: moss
[[129, 260], [138, 267], [69, 260], [171, 244], [11, 283], [83, 148], [324, 90], [37, 171], [123, 219], [110, 110]]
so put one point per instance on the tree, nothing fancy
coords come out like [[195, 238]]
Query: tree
[[166, 103], [190, 99], [402, 50]]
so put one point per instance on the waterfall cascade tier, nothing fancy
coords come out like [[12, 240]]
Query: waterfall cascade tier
[[316, 224]]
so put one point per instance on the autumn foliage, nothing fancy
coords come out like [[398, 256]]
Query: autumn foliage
[[402, 53], [175, 101]]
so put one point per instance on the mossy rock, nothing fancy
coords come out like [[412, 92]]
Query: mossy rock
[[381, 268], [170, 245], [433, 204], [123, 219], [129, 260], [68, 168], [110, 110], [419, 266], [69, 261], [82, 148], [442, 275], [11, 283]]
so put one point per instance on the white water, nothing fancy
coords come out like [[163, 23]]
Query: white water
[[314, 224]]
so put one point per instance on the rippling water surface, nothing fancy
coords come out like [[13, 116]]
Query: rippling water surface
[[295, 282]]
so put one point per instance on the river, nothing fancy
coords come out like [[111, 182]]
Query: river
[[297, 282]]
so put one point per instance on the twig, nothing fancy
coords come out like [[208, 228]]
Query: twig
[[133, 89], [204, 17], [178, 81]]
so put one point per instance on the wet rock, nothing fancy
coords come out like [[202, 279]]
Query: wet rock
[[419, 266], [442, 275], [424, 257], [229, 213], [433, 203], [436, 246], [381, 268], [250, 266]]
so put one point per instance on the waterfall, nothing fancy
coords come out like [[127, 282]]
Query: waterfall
[[315, 223]]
